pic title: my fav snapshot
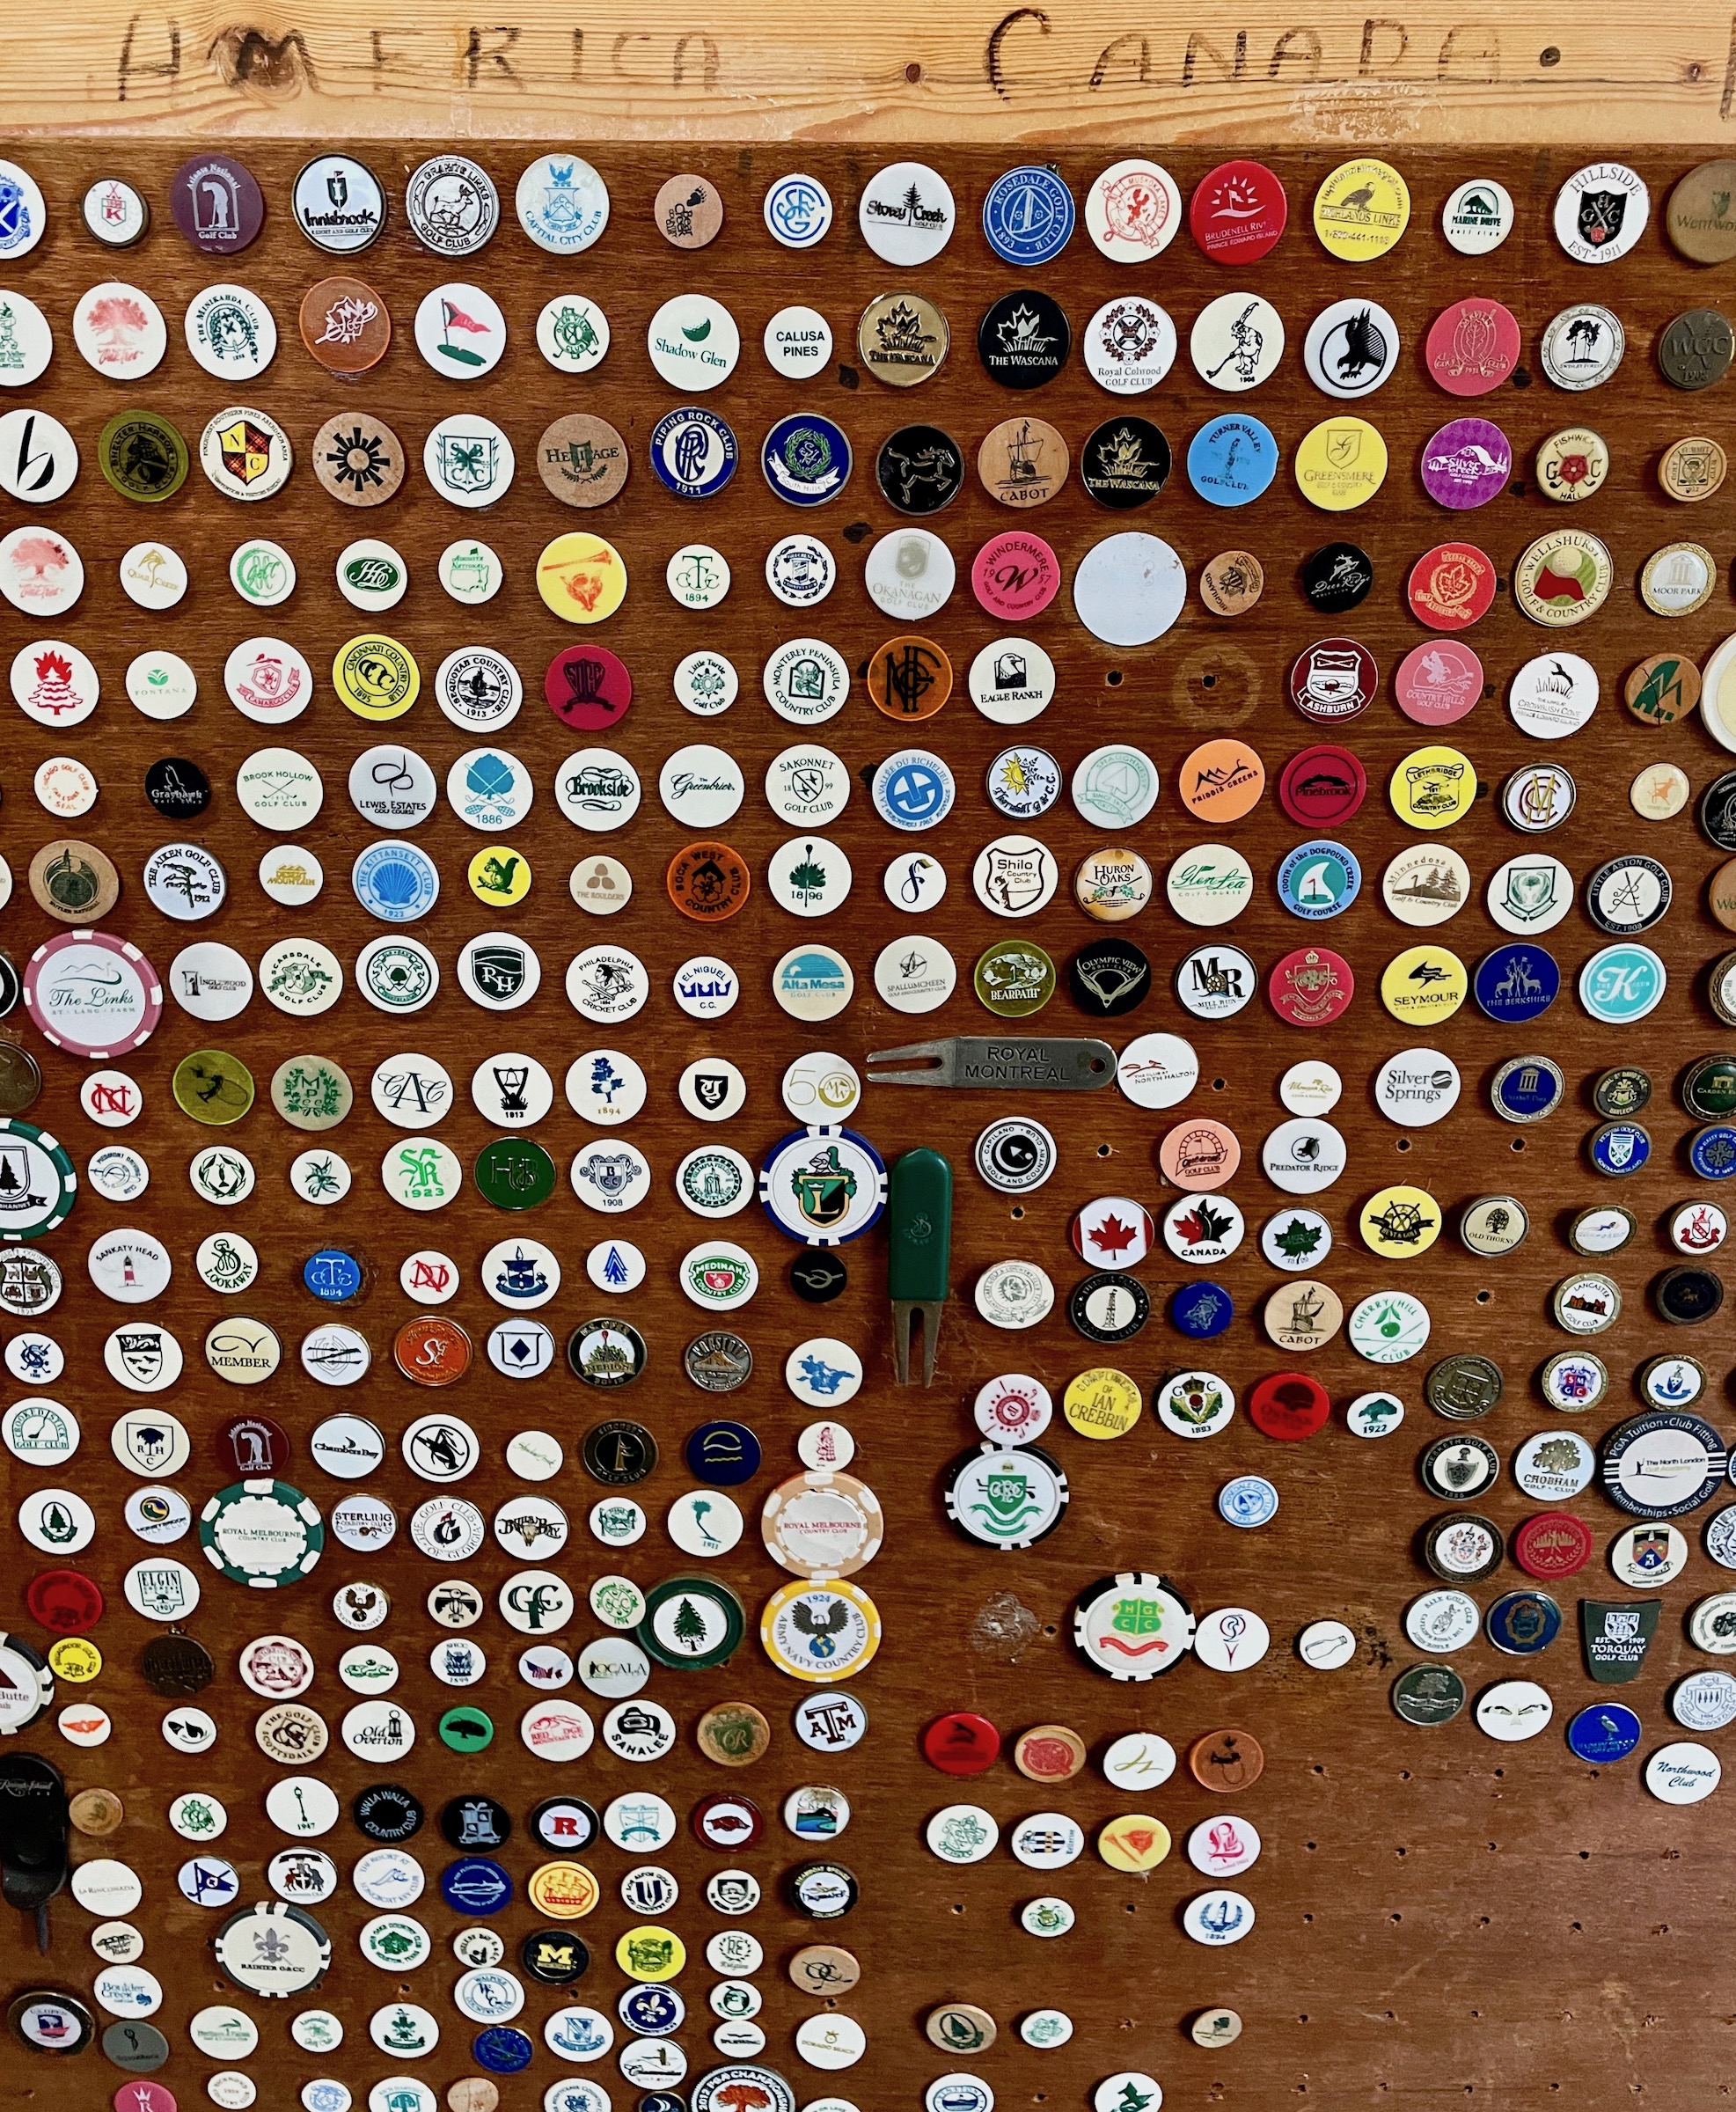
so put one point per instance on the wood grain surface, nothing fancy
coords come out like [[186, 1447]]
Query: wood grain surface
[[1439, 1915], [1068, 73]]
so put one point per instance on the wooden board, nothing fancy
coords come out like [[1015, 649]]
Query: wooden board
[[908, 72], [1436, 1912]]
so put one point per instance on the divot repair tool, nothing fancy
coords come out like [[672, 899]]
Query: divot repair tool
[[919, 1211], [1042, 1066]]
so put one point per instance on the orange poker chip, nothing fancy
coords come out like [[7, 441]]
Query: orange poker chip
[[708, 882], [1229, 1759], [1050, 1753], [1200, 1155], [345, 324], [909, 677], [564, 1891], [431, 1350], [1222, 781]]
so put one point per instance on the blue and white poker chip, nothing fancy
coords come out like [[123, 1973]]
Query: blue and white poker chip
[[1233, 459], [1318, 880], [332, 1275], [913, 789], [1602, 1732], [652, 2009], [1711, 1152], [1028, 215], [1201, 1311], [798, 211], [693, 453], [1526, 1088], [1622, 983], [476, 1884], [1619, 1148], [395, 881], [1248, 1502], [1516, 983], [806, 459], [502, 2048], [823, 1184]]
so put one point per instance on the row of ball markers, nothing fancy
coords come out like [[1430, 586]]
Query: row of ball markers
[[907, 213], [1235, 343]]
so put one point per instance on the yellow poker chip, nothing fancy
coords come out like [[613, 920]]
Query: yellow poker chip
[[564, 1891], [582, 577], [1433, 788], [1361, 210], [649, 1952], [500, 875], [1423, 985], [376, 678], [1133, 1843], [1102, 1403], [74, 1658], [1562, 578], [1399, 1222], [1341, 464], [820, 1632]]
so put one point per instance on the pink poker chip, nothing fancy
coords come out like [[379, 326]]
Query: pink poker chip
[[1467, 463], [93, 995], [1015, 575], [1472, 346], [588, 688], [1451, 586], [1237, 212], [143, 2095], [1437, 683], [1312, 987]]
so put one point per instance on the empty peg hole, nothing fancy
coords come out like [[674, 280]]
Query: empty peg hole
[[1018, 1210], [1103, 1151], [1519, 1144], [1482, 1297], [1404, 1144], [1218, 1084], [1550, 55], [1114, 678]]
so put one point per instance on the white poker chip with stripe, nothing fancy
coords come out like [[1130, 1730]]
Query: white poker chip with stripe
[[261, 1533], [823, 1184]]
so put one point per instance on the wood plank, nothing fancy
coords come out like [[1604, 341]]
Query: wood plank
[[729, 69], [1438, 1915]]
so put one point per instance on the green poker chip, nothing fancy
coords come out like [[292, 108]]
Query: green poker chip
[[37, 1181], [691, 1623], [514, 1173], [466, 1729], [261, 1533]]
